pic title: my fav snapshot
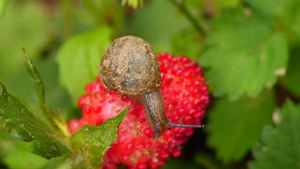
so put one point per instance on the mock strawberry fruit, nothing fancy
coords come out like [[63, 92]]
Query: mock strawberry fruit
[[185, 97]]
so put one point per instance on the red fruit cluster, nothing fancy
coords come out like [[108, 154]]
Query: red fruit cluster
[[185, 97]]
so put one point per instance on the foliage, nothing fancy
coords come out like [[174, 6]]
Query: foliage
[[235, 139], [25, 126], [47, 140], [250, 63], [279, 147], [93, 141], [77, 60], [249, 50]]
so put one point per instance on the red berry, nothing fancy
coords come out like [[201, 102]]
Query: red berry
[[185, 97]]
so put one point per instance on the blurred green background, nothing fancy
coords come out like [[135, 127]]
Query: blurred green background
[[249, 50]]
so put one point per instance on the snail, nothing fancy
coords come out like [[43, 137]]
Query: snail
[[130, 66]]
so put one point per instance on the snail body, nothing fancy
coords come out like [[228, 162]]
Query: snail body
[[129, 65]]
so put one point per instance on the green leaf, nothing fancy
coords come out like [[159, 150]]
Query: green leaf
[[245, 55], [79, 57], [280, 145], [22, 124], [234, 126], [285, 12], [277, 9], [291, 81], [93, 141], [13, 150]]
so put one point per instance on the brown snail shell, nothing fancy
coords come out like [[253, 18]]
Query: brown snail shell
[[117, 71]]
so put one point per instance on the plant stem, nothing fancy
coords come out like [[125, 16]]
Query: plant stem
[[199, 26]]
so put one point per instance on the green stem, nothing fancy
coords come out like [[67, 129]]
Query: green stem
[[198, 25]]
